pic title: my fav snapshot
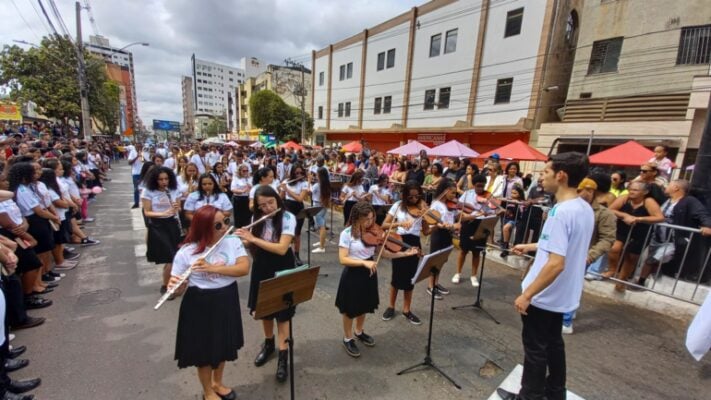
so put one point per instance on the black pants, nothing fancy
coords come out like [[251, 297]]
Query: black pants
[[544, 356], [16, 313], [4, 348]]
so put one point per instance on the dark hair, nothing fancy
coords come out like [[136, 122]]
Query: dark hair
[[259, 174], [67, 165], [411, 185], [438, 167], [444, 184], [50, 163], [603, 181], [402, 166], [21, 173], [382, 178], [292, 173], [521, 192], [157, 156], [215, 187], [356, 178], [514, 164], [481, 178], [147, 166], [151, 180], [622, 174], [49, 178], [258, 230], [359, 210], [574, 164], [324, 184], [201, 230]]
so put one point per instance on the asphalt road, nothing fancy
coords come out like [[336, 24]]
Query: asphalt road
[[103, 340]]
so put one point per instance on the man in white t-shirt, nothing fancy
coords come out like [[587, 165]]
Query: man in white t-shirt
[[554, 284], [200, 159], [135, 160]]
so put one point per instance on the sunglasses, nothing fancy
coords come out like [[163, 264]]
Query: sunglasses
[[646, 170], [220, 225]]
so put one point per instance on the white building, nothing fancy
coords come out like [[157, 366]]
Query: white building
[[214, 86], [469, 70]]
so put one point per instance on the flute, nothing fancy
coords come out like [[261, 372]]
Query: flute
[[184, 277]]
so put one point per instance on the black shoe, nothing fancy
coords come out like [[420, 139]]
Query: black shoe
[[282, 366], [49, 278], [441, 289], [45, 291], [13, 396], [365, 339], [22, 386], [36, 302], [351, 348], [30, 322], [265, 353], [299, 262], [134, 206], [506, 395], [437, 295], [17, 351], [52, 285], [13, 365], [69, 255], [56, 274], [388, 314], [163, 289], [412, 318], [229, 396]]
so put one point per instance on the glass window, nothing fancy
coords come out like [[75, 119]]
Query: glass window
[[342, 73], [349, 70], [348, 109], [378, 104], [605, 55], [340, 110], [450, 41], [503, 90], [381, 61], [391, 58], [435, 42], [387, 104], [444, 97], [514, 19], [320, 78], [320, 112], [430, 99]]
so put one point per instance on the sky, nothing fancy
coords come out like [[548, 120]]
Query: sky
[[222, 31]]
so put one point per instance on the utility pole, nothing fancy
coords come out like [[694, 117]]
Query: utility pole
[[300, 91], [701, 179], [83, 90]]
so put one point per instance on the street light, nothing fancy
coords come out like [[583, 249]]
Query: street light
[[133, 44]]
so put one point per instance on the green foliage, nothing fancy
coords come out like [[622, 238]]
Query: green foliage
[[216, 125], [269, 112]]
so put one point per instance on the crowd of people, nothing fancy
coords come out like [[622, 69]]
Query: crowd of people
[[46, 185]]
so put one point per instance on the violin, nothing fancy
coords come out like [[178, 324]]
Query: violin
[[416, 211], [432, 217], [375, 236], [460, 205]]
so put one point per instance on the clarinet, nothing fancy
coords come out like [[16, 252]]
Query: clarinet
[[177, 214]]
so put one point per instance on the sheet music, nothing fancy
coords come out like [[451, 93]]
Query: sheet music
[[426, 258]]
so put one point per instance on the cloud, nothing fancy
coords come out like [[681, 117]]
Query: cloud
[[216, 30]]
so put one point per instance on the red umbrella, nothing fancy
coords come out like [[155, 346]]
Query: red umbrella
[[292, 145], [353, 147], [627, 154], [517, 150]]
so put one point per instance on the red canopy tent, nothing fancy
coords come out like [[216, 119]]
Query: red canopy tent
[[627, 154], [353, 147], [292, 145], [517, 150]]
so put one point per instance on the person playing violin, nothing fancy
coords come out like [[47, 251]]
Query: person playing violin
[[441, 238], [405, 215], [294, 192], [358, 287], [481, 205]]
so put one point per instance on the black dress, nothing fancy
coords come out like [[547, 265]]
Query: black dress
[[640, 231], [404, 268], [163, 240], [265, 265], [242, 213], [357, 292]]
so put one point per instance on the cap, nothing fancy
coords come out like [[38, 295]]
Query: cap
[[495, 156], [587, 183]]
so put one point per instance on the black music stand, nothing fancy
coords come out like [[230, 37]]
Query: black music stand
[[335, 189], [279, 293], [483, 231], [309, 213], [431, 265]]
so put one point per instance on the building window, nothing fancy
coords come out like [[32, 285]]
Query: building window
[[514, 20], [430, 99], [342, 73], [381, 61], [378, 104], [348, 109], [435, 42], [320, 112], [694, 45], [391, 58], [320, 78], [340, 110], [387, 104], [503, 91], [444, 97], [605, 55], [450, 41], [349, 70]]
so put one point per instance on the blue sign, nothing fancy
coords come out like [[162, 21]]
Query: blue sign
[[166, 125]]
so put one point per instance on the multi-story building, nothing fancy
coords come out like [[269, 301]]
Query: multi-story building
[[284, 81], [471, 70], [119, 66], [641, 72], [214, 87], [188, 127]]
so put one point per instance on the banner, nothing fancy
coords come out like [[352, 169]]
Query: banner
[[10, 112]]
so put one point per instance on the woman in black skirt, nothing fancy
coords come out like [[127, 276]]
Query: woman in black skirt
[[240, 186], [270, 245], [408, 226], [358, 288], [161, 205], [441, 238], [294, 191], [210, 321]]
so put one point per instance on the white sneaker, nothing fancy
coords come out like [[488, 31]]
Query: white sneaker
[[567, 330], [12, 337], [317, 244], [455, 278], [475, 282], [319, 250]]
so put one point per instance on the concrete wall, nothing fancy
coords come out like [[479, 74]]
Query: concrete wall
[[320, 93]]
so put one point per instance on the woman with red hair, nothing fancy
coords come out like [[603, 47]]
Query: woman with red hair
[[209, 323]]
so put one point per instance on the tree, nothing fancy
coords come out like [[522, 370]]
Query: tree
[[270, 112], [216, 125], [106, 111]]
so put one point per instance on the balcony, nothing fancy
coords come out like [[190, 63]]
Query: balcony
[[663, 107]]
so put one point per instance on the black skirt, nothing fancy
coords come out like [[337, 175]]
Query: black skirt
[[42, 232], [242, 213], [209, 327], [404, 268], [265, 265], [357, 292], [163, 240], [27, 259], [295, 208], [465, 237], [440, 239], [64, 234]]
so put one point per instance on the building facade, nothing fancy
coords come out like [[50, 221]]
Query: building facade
[[214, 87], [284, 81], [469, 70], [188, 126], [641, 71]]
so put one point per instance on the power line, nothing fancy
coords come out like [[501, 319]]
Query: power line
[[39, 16], [23, 18], [49, 21]]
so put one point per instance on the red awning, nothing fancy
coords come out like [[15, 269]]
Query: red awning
[[627, 154], [353, 147], [292, 145], [517, 150]]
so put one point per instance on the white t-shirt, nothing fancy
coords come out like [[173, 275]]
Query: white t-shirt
[[470, 197], [227, 253], [10, 208], [352, 193], [221, 202], [61, 212], [356, 248], [401, 215], [159, 200], [447, 216], [297, 188], [382, 191], [288, 227], [169, 163], [27, 199], [200, 162], [212, 158], [45, 197], [138, 164], [241, 184], [566, 232], [72, 187], [316, 194]]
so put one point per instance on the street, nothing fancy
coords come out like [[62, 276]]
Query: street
[[103, 340]]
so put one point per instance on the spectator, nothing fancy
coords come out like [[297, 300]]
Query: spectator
[[648, 175], [664, 164], [618, 183]]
